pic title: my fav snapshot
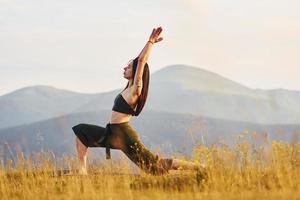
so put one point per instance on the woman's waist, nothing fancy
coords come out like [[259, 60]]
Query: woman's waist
[[117, 117]]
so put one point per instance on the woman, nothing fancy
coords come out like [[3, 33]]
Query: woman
[[118, 133]]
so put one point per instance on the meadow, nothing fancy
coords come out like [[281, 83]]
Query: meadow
[[243, 171]]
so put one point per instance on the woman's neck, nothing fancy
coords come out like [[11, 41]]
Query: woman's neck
[[130, 82]]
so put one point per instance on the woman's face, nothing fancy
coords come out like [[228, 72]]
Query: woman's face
[[128, 70]]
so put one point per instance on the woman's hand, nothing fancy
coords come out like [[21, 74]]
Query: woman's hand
[[154, 37]]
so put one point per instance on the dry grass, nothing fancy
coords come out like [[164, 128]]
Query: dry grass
[[242, 172]]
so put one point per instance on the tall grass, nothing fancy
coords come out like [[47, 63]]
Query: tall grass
[[244, 171]]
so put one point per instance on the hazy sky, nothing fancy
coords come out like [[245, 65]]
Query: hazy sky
[[84, 45]]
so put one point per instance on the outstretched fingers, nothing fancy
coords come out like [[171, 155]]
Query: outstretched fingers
[[153, 31], [159, 30], [155, 35]]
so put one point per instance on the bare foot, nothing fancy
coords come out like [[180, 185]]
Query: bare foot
[[199, 166], [82, 171], [186, 165]]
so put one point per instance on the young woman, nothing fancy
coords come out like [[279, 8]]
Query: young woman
[[118, 133]]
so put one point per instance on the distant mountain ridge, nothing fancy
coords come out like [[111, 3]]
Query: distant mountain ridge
[[187, 89], [177, 88], [172, 133], [193, 78], [35, 103]]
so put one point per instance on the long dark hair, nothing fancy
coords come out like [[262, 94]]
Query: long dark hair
[[146, 76]]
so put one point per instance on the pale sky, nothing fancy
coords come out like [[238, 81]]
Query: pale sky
[[83, 45]]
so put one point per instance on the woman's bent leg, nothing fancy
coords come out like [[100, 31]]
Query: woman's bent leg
[[82, 156], [87, 135]]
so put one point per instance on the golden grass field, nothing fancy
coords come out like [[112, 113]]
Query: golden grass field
[[240, 172]]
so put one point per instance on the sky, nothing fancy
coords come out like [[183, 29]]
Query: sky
[[83, 45]]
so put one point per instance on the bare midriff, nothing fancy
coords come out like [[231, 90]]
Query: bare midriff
[[117, 117]]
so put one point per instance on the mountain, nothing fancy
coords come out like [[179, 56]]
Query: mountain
[[177, 88], [36, 103], [172, 133], [187, 89], [192, 78]]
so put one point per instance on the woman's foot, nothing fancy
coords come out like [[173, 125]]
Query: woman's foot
[[186, 165], [82, 171]]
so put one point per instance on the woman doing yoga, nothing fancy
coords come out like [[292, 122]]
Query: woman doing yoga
[[118, 133]]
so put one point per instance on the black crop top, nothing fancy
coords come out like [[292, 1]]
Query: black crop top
[[121, 105]]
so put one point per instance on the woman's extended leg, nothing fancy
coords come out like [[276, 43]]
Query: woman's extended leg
[[124, 137], [82, 156]]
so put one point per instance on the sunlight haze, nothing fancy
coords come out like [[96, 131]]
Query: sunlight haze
[[83, 46]]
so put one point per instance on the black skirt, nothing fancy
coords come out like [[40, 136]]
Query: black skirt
[[89, 134], [128, 141]]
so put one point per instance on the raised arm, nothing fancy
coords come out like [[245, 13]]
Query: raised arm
[[143, 58]]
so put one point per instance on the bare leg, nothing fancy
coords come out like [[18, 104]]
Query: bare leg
[[182, 164], [82, 156]]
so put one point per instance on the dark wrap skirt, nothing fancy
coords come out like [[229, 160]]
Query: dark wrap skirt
[[122, 136]]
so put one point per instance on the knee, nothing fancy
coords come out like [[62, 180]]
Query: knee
[[77, 128]]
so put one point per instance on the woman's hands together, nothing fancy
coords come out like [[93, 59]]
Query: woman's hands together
[[154, 37]]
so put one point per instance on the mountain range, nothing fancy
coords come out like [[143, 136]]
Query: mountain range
[[171, 133], [181, 99], [176, 88]]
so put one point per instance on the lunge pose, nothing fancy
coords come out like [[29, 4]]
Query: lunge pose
[[118, 133]]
